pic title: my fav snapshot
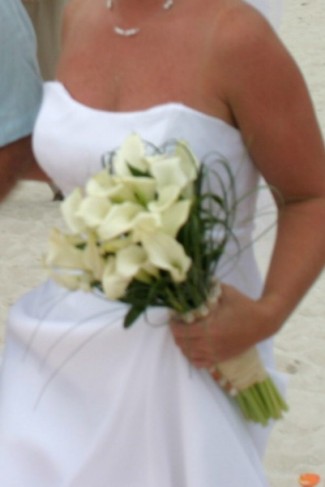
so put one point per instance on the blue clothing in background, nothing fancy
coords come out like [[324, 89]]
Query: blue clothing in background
[[20, 82]]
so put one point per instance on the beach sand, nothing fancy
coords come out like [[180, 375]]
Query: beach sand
[[297, 443]]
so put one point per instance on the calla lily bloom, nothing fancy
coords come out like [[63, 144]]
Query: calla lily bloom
[[93, 260], [130, 260], [175, 217], [63, 252], [69, 209], [131, 153], [72, 280], [142, 189], [189, 162], [114, 285], [167, 254], [118, 221], [66, 263], [115, 244], [170, 172], [145, 223], [166, 197], [93, 210], [100, 185]]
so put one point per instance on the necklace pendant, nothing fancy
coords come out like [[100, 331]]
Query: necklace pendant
[[168, 4], [126, 32]]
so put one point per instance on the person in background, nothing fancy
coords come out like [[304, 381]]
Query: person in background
[[20, 93], [46, 17]]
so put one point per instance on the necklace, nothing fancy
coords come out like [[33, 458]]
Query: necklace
[[167, 5]]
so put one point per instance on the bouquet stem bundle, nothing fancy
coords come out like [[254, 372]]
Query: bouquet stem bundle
[[252, 388], [149, 232]]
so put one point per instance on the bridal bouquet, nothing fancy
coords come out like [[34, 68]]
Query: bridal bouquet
[[147, 231]]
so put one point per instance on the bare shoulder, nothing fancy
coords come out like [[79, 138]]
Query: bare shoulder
[[254, 65], [269, 101], [241, 30], [248, 55]]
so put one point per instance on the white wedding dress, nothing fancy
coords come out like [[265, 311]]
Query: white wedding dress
[[86, 403]]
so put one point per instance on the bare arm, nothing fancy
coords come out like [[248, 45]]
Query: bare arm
[[271, 106], [277, 120], [17, 162]]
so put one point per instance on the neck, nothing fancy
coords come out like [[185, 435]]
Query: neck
[[135, 12], [128, 6]]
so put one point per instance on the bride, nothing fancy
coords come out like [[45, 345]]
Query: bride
[[84, 402]]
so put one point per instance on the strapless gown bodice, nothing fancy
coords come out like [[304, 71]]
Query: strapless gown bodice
[[70, 138], [84, 402]]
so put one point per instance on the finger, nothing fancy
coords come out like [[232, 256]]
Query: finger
[[200, 349], [194, 331], [200, 363]]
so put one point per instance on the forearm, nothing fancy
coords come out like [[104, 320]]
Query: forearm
[[35, 173], [17, 162], [15, 158], [297, 260]]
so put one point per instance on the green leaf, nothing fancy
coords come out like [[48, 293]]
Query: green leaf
[[132, 315], [136, 172]]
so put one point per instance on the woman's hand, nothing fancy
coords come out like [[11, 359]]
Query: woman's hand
[[234, 324]]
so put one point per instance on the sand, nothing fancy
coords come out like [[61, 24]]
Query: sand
[[298, 442]]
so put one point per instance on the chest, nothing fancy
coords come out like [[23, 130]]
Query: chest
[[166, 61]]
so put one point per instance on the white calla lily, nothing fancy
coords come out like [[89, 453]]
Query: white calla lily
[[115, 244], [93, 210], [145, 223], [170, 172], [118, 221], [189, 161], [175, 217], [131, 153], [150, 269], [93, 259], [65, 261], [104, 185], [69, 209], [100, 185], [167, 195], [72, 280], [121, 193], [143, 189], [114, 285], [167, 254], [130, 260], [63, 251]]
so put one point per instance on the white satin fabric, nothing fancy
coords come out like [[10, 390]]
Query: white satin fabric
[[84, 402]]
